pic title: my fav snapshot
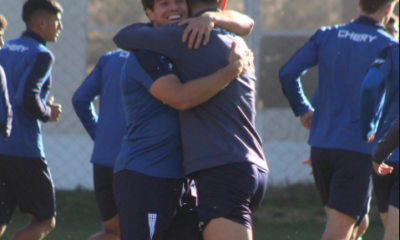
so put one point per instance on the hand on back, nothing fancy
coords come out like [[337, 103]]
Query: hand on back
[[243, 60]]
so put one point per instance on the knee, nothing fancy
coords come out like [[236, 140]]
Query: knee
[[46, 225]]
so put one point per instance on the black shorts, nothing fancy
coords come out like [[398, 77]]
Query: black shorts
[[26, 183], [233, 192], [387, 189], [155, 208], [344, 180], [103, 187]]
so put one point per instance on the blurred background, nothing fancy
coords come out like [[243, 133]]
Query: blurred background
[[282, 26]]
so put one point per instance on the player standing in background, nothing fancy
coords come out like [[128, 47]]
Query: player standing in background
[[341, 160], [107, 131], [5, 106], [379, 108], [393, 26], [221, 147], [25, 180], [149, 168]]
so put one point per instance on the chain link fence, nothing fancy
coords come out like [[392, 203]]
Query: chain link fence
[[283, 26]]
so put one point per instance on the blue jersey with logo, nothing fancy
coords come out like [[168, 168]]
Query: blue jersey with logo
[[5, 106], [109, 127], [343, 54], [28, 65], [381, 88], [222, 130], [152, 145]]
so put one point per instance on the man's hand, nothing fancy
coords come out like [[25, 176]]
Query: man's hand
[[242, 60], [198, 28], [371, 139], [383, 169], [56, 110], [306, 119], [309, 163]]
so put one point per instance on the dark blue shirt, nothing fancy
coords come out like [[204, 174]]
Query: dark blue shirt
[[388, 144], [343, 55], [222, 130], [152, 145], [380, 96], [5, 106], [28, 65], [109, 127]]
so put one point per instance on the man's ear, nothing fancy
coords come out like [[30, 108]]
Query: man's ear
[[150, 14]]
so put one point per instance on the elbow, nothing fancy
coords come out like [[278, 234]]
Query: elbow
[[284, 76], [181, 103], [249, 29]]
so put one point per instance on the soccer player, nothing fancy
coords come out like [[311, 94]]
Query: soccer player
[[341, 160], [5, 106], [25, 180], [393, 26], [107, 130], [149, 168], [221, 147], [379, 109]]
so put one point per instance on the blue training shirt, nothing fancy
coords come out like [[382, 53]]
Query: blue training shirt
[[343, 55], [5, 106], [109, 127], [222, 130], [28, 65], [381, 88], [152, 145]]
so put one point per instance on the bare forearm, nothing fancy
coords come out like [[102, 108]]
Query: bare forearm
[[234, 22], [199, 91]]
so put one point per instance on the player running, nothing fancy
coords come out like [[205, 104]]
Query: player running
[[107, 130], [5, 106], [149, 169], [25, 180], [379, 109], [341, 160], [221, 147]]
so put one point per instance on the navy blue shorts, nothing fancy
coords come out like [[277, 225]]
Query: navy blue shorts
[[233, 192], [155, 208], [387, 189], [26, 183], [103, 187], [344, 180]]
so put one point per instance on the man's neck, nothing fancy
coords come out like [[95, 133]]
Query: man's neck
[[35, 31], [379, 17], [196, 9]]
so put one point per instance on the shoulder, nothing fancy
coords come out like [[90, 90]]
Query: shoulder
[[387, 50], [113, 56]]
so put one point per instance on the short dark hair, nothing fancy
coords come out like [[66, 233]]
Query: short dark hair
[[32, 6], [204, 2], [148, 4], [393, 20], [3, 22], [373, 6]]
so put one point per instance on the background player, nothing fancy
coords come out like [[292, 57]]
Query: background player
[[25, 180], [5, 106], [149, 168], [385, 147], [379, 109], [393, 26], [230, 169], [107, 130], [338, 152]]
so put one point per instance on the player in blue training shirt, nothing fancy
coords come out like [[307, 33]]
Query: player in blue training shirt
[[25, 180], [5, 106], [221, 147], [107, 130], [343, 54], [191, 93], [378, 110]]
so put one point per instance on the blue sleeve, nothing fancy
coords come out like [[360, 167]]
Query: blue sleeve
[[83, 100], [36, 88], [5, 106], [388, 144], [373, 95], [155, 65], [290, 76], [166, 40]]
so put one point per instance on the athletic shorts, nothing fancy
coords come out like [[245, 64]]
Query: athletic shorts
[[103, 187], [344, 180], [387, 189], [155, 208], [234, 192], [26, 183]]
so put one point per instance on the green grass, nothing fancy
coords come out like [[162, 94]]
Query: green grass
[[290, 213]]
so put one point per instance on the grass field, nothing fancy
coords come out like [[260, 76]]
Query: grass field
[[290, 213]]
